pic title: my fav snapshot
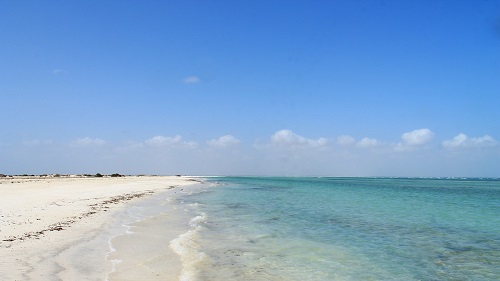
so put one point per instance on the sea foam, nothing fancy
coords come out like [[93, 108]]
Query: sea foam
[[188, 250]]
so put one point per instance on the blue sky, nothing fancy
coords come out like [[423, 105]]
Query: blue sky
[[340, 88]]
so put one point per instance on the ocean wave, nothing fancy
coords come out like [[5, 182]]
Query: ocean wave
[[188, 250]]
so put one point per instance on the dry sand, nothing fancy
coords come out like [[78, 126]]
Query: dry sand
[[52, 228]]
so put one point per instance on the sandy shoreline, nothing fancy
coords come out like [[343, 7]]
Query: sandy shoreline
[[52, 228]]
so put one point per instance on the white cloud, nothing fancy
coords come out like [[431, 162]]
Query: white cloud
[[88, 142], [129, 146], [463, 141], [367, 143], [161, 141], [224, 141], [191, 80], [417, 137], [413, 139], [289, 138], [37, 142], [346, 140], [190, 144], [282, 153], [457, 141]]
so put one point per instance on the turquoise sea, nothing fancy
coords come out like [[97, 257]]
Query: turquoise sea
[[270, 228]]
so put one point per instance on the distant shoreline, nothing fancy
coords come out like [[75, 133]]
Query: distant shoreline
[[97, 175]]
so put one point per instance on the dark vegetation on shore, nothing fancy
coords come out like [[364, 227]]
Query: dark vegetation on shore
[[98, 175]]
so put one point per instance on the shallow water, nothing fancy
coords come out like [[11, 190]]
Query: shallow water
[[140, 247], [342, 229]]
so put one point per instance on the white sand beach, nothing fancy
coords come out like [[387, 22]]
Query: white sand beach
[[51, 228]]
